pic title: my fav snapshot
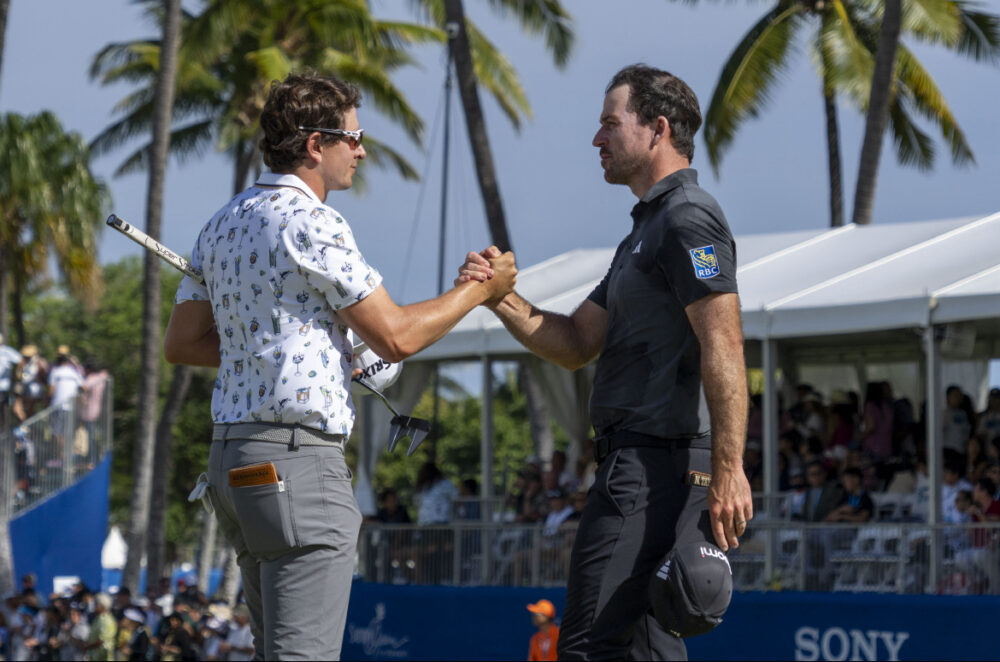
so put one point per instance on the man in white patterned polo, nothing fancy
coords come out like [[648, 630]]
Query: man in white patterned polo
[[284, 283]]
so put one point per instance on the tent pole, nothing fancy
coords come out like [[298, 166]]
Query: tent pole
[[769, 362], [933, 451], [486, 465]]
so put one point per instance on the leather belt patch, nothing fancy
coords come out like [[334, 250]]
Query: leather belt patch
[[699, 479], [255, 474]]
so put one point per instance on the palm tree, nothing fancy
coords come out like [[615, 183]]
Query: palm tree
[[142, 456], [50, 205], [843, 48], [878, 110], [232, 51]]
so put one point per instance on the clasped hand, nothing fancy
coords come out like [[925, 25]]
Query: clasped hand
[[490, 266]]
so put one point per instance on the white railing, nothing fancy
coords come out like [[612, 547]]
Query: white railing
[[52, 450], [890, 557]]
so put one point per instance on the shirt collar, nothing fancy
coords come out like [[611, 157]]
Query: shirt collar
[[269, 178], [664, 186]]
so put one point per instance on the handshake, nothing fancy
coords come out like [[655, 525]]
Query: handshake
[[497, 270]]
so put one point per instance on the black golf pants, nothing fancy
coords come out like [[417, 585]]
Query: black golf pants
[[642, 503]]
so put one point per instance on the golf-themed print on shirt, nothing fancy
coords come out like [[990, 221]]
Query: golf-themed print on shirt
[[278, 265]]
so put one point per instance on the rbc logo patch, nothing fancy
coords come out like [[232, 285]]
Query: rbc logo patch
[[705, 263]]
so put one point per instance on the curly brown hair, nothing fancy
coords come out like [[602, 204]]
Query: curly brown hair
[[302, 100], [654, 92]]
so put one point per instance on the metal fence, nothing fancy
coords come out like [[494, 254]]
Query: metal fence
[[878, 558], [54, 448]]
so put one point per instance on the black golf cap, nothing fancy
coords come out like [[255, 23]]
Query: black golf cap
[[691, 589]]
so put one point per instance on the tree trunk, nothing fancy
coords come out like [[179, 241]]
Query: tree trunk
[[17, 308], [7, 480], [469, 92], [142, 455], [229, 585], [878, 111], [157, 539], [206, 554], [4, 7], [4, 295], [833, 160]]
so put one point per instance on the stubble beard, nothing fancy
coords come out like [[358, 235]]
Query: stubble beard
[[622, 170]]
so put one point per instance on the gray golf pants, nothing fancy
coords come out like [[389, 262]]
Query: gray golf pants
[[295, 543]]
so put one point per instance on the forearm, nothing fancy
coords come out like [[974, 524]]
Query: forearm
[[552, 336], [724, 379], [203, 351], [416, 326]]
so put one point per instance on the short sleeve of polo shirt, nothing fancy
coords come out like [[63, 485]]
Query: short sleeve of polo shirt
[[322, 245], [189, 288], [599, 294], [697, 254]]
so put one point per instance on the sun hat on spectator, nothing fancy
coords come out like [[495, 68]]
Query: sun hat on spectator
[[134, 615], [103, 599], [543, 607], [28, 351], [63, 350]]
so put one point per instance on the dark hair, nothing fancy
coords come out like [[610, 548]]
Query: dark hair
[[987, 485], [874, 393], [472, 485], [387, 492], [302, 100], [851, 471], [654, 93], [427, 475]]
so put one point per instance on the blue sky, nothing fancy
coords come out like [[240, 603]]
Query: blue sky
[[773, 179]]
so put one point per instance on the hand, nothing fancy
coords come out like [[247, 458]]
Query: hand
[[504, 278], [730, 506], [477, 266]]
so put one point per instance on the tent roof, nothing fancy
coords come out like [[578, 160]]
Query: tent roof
[[852, 279]]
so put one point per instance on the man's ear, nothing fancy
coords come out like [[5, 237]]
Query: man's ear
[[661, 129], [314, 148]]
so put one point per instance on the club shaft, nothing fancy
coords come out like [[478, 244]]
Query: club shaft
[[150, 244]]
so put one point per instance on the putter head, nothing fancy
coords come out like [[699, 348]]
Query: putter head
[[402, 427]]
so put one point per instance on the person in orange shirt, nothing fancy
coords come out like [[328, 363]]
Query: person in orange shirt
[[543, 642]]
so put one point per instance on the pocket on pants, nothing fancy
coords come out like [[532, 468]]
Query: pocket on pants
[[265, 517], [625, 479]]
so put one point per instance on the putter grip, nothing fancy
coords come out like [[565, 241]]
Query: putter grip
[[150, 244]]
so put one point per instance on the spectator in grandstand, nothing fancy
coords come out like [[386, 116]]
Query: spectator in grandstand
[[560, 510], [534, 504], [65, 382], [76, 631], [9, 358], [975, 459], [100, 644], [985, 507], [92, 399], [136, 648], [566, 479], [755, 419], [876, 428], [811, 450], [988, 425], [238, 646], [795, 498], [952, 483], [543, 643], [63, 352], [468, 508], [391, 511], [212, 633], [957, 421], [45, 646], [123, 600], [857, 507], [813, 423], [30, 379], [579, 501], [823, 495], [22, 631], [993, 473], [963, 501], [841, 427], [434, 495], [797, 412], [752, 464], [788, 445]]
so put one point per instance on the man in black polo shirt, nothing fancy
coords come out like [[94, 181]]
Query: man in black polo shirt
[[666, 323]]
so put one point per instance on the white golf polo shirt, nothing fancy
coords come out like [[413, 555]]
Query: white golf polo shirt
[[278, 264]]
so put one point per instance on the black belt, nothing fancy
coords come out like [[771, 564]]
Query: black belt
[[611, 441]]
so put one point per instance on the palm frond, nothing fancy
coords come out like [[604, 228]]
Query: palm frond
[[546, 17], [744, 85], [932, 21], [923, 92], [495, 73], [980, 38], [383, 156], [913, 146], [185, 143]]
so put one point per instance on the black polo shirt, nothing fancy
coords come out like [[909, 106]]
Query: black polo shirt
[[649, 372]]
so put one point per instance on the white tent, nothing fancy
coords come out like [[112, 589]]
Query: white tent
[[857, 296]]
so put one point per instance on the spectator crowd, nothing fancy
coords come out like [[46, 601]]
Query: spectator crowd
[[81, 625]]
